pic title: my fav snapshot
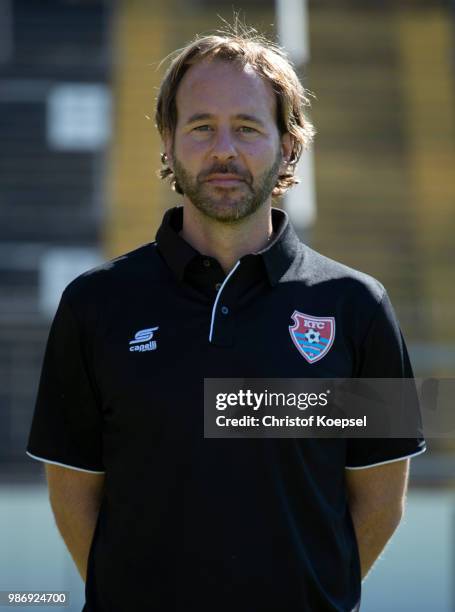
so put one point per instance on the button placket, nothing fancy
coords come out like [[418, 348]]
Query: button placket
[[224, 310]]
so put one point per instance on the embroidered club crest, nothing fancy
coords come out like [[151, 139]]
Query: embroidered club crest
[[313, 336]]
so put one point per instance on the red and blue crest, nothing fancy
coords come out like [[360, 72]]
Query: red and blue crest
[[313, 336]]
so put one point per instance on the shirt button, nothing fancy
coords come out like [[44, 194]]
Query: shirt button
[[218, 286], [224, 310], [206, 263]]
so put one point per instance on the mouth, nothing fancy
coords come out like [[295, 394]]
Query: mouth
[[224, 180]]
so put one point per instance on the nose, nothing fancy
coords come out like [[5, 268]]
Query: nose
[[224, 147]]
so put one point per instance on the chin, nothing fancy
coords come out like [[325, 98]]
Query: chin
[[227, 211]]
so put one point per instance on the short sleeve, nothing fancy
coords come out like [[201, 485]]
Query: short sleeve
[[383, 354], [67, 422]]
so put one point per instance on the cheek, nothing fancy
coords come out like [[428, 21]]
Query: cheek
[[188, 150], [260, 155]]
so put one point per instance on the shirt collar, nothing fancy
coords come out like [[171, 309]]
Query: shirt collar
[[277, 256]]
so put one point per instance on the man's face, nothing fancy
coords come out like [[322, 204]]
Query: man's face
[[227, 151]]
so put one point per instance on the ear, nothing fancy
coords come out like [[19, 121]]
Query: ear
[[287, 144], [168, 145]]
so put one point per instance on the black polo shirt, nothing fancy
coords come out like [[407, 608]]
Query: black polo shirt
[[189, 523]]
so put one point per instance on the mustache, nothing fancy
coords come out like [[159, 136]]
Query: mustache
[[225, 169]]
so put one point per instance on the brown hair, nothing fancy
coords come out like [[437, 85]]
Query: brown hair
[[246, 47]]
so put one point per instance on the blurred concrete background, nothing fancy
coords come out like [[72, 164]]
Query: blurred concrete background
[[78, 160]]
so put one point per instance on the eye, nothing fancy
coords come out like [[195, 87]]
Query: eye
[[202, 128], [246, 129]]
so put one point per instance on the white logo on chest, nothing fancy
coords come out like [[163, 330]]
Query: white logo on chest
[[143, 340]]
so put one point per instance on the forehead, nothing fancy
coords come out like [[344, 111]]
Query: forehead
[[224, 88]]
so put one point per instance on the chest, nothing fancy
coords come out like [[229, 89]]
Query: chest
[[163, 347]]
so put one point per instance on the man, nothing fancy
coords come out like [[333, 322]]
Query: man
[[156, 516]]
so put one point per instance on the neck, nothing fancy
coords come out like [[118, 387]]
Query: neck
[[227, 242]]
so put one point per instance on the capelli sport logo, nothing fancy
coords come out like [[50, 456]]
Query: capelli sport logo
[[143, 340]]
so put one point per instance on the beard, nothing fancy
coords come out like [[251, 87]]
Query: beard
[[227, 205]]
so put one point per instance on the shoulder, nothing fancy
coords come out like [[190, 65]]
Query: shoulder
[[115, 279], [340, 281]]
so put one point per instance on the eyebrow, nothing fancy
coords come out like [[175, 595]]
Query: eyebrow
[[242, 116]]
